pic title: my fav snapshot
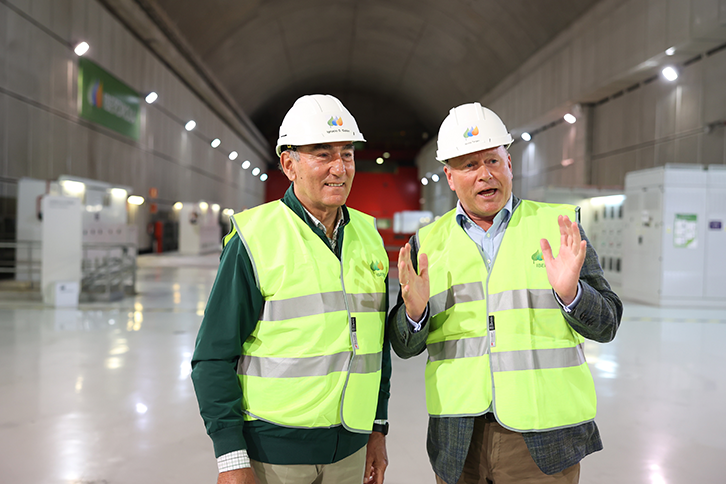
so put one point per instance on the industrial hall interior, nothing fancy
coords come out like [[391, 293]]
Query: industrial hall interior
[[135, 135]]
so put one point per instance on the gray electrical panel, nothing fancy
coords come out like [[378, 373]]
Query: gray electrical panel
[[674, 236]]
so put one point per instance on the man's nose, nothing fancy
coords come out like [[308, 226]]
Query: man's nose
[[338, 166], [485, 173]]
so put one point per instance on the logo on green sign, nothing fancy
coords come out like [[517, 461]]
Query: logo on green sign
[[107, 101]]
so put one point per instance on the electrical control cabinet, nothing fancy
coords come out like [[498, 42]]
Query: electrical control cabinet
[[673, 231]]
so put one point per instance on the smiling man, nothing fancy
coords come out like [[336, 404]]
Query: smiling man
[[292, 365], [504, 293]]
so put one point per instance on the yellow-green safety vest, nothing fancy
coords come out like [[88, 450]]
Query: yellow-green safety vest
[[499, 337], [314, 358]]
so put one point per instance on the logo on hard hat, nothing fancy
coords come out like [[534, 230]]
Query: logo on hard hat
[[333, 121], [471, 132]]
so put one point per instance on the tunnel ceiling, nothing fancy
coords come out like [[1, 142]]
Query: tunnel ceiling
[[399, 65]]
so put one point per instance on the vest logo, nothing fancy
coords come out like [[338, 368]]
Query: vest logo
[[378, 269], [473, 131], [537, 259], [333, 121]]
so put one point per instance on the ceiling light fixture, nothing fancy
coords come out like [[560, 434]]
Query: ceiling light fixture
[[81, 48], [670, 73]]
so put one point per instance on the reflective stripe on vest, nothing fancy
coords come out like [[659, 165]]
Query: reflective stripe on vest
[[474, 291], [309, 366], [314, 358], [507, 360], [531, 366], [327, 302]]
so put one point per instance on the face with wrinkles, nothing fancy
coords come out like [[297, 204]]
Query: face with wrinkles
[[482, 181], [322, 175]]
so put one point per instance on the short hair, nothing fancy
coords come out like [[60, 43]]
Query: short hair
[[294, 154]]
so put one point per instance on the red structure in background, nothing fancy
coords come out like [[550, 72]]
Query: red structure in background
[[377, 194]]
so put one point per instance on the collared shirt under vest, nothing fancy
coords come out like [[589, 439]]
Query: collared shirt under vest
[[314, 359], [503, 328]]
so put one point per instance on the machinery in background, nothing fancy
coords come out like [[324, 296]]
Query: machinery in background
[[105, 245], [675, 236], [601, 216], [200, 231]]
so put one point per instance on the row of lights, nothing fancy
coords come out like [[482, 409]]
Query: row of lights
[[204, 206], [383, 158], [434, 177], [152, 97], [670, 74]]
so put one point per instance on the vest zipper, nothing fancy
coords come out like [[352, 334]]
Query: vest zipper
[[353, 340]]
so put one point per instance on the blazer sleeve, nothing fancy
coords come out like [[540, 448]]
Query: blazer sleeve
[[598, 313], [404, 341]]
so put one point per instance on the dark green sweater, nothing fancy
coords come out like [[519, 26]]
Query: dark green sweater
[[232, 312]]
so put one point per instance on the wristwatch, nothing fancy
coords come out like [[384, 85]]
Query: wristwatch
[[382, 428]]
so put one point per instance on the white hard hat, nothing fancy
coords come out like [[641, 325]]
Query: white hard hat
[[316, 119], [469, 128]]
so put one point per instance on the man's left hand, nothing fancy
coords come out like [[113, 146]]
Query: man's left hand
[[563, 271], [376, 459]]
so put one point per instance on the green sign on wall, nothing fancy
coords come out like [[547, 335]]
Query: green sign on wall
[[107, 101]]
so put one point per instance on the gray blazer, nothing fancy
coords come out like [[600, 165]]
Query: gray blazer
[[596, 317]]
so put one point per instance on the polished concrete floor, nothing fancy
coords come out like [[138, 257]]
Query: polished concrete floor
[[102, 394]]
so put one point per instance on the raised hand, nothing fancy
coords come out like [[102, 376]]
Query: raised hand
[[414, 287], [563, 271]]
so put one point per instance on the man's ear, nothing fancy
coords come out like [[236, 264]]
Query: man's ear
[[287, 163], [449, 179]]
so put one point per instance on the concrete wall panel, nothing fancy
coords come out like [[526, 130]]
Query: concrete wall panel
[[40, 156], [3, 44], [61, 141], [18, 141], [60, 20], [41, 11]]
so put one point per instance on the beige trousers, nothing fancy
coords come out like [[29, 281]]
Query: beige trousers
[[500, 456], [347, 471]]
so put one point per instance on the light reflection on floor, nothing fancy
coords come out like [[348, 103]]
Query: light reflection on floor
[[102, 393]]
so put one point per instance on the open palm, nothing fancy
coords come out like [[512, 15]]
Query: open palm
[[414, 287], [563, 271]]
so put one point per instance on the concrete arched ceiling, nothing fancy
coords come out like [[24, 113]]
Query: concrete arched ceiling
[[411, 60]]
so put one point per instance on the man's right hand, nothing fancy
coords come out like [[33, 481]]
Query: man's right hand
[[237, 476], [414, 287]]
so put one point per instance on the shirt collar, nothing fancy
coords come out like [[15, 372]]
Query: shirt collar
[[501, 217], [320, 225], [290, 199]]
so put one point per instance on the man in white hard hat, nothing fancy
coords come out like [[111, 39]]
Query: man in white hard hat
[[504, 294], [292, 365]]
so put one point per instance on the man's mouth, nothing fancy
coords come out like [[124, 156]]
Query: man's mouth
[[488, 193], [334, 184]]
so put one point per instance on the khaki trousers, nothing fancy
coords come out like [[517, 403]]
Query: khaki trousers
[[500, 456], [347, 471]]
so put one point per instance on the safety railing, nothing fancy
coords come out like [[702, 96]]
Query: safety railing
[[108, 271], [22, 258]]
